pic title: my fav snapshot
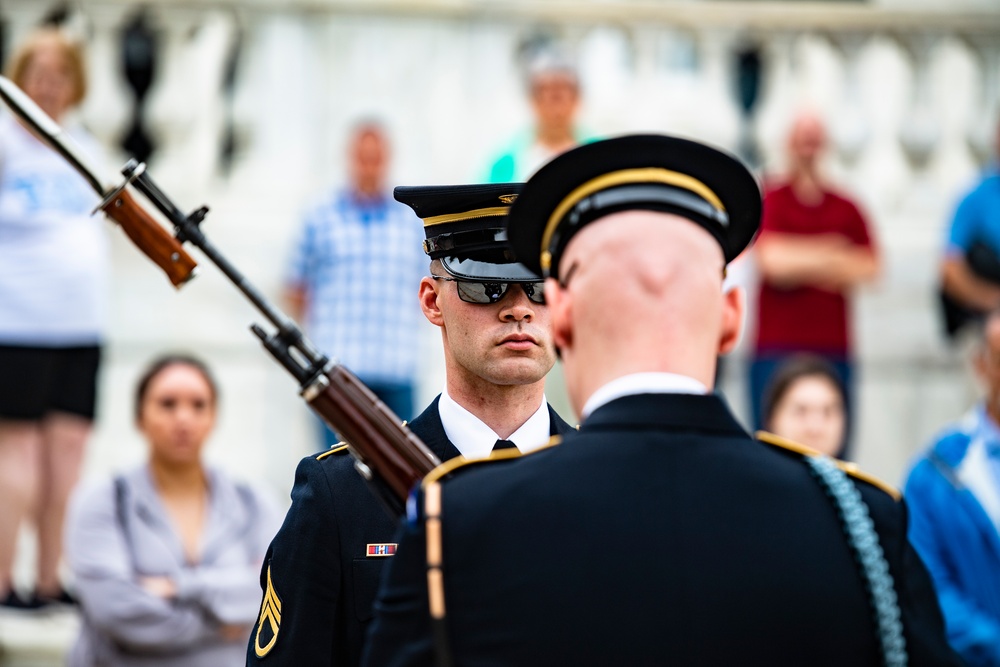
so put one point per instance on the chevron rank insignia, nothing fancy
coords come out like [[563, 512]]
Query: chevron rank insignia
[[269, 622], [380, 550]]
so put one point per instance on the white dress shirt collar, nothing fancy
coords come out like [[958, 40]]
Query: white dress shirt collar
[[642, 383], [474, 439]]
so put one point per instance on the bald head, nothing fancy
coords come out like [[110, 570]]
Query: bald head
[[649, 257], [643, 294]]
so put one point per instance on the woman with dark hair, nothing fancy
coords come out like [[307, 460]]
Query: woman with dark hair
[[166, 557], [805, 402]]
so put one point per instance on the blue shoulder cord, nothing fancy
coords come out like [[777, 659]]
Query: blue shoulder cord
[[861, 535]]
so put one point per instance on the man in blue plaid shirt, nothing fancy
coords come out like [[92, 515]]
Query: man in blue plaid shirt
[[352, 278]]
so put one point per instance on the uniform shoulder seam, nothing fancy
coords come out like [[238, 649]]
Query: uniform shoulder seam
[[460, 462], [845, 466]]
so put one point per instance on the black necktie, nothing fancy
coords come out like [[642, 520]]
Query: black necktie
[[504, 444]]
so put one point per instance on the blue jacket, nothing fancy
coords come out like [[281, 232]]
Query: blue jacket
[[952, 494]]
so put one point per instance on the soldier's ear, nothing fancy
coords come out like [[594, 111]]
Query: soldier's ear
[[733, 307], [560, 304], [428, 296]]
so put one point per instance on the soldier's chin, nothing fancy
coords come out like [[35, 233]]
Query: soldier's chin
[[519, 371]]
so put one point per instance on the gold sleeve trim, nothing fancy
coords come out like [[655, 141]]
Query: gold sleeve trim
[[466, 215], [339, 447], [435, 593], [435, 550], [849, 468], [623, 177], [454, 464]]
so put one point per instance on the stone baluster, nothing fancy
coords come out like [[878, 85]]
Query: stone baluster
[[667, 79], [983, 125], [953, 165], [850, 129], [185, 111], [778, 98], [718, 119], [919, 133], [107, 107], [607, 64], [882, 174]]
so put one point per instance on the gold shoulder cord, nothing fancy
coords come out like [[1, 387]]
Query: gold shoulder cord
[[435, 577]]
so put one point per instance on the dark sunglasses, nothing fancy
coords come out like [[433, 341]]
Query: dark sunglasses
[[493, 291]]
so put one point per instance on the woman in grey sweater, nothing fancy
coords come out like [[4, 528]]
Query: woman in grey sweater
[[166, 557]]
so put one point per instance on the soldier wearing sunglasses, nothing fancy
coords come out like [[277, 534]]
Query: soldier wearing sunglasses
[[322, 569]]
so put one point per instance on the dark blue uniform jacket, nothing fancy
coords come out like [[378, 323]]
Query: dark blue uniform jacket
[[659, 534], [320, 573]]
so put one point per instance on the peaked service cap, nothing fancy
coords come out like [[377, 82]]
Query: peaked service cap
[[466, 228], [647, 172]]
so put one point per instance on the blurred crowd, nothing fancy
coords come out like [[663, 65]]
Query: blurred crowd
[[167, 556]]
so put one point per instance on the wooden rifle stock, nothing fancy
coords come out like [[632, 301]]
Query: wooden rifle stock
[[388, 454], [151, 237]]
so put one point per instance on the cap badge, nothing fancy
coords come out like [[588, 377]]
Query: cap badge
[[380, 550], [508, 199]]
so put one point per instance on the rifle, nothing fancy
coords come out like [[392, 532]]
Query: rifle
[[386, 453]]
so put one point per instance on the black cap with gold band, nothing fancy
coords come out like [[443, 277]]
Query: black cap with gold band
[[466, 229], [651, 172]]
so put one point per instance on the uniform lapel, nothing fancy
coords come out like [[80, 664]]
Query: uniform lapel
[[428, 427], [558, 425]]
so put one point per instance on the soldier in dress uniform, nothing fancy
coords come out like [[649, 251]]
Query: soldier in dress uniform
[[660, 532], [322, 569]]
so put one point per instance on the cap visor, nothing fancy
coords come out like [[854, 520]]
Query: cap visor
[[472, 269]]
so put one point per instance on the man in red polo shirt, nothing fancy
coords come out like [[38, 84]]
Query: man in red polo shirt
[[814, 249]]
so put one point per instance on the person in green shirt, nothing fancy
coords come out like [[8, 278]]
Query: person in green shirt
[[554, 91]]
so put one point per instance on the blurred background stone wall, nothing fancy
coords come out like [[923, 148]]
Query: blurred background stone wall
[[250, 101]]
